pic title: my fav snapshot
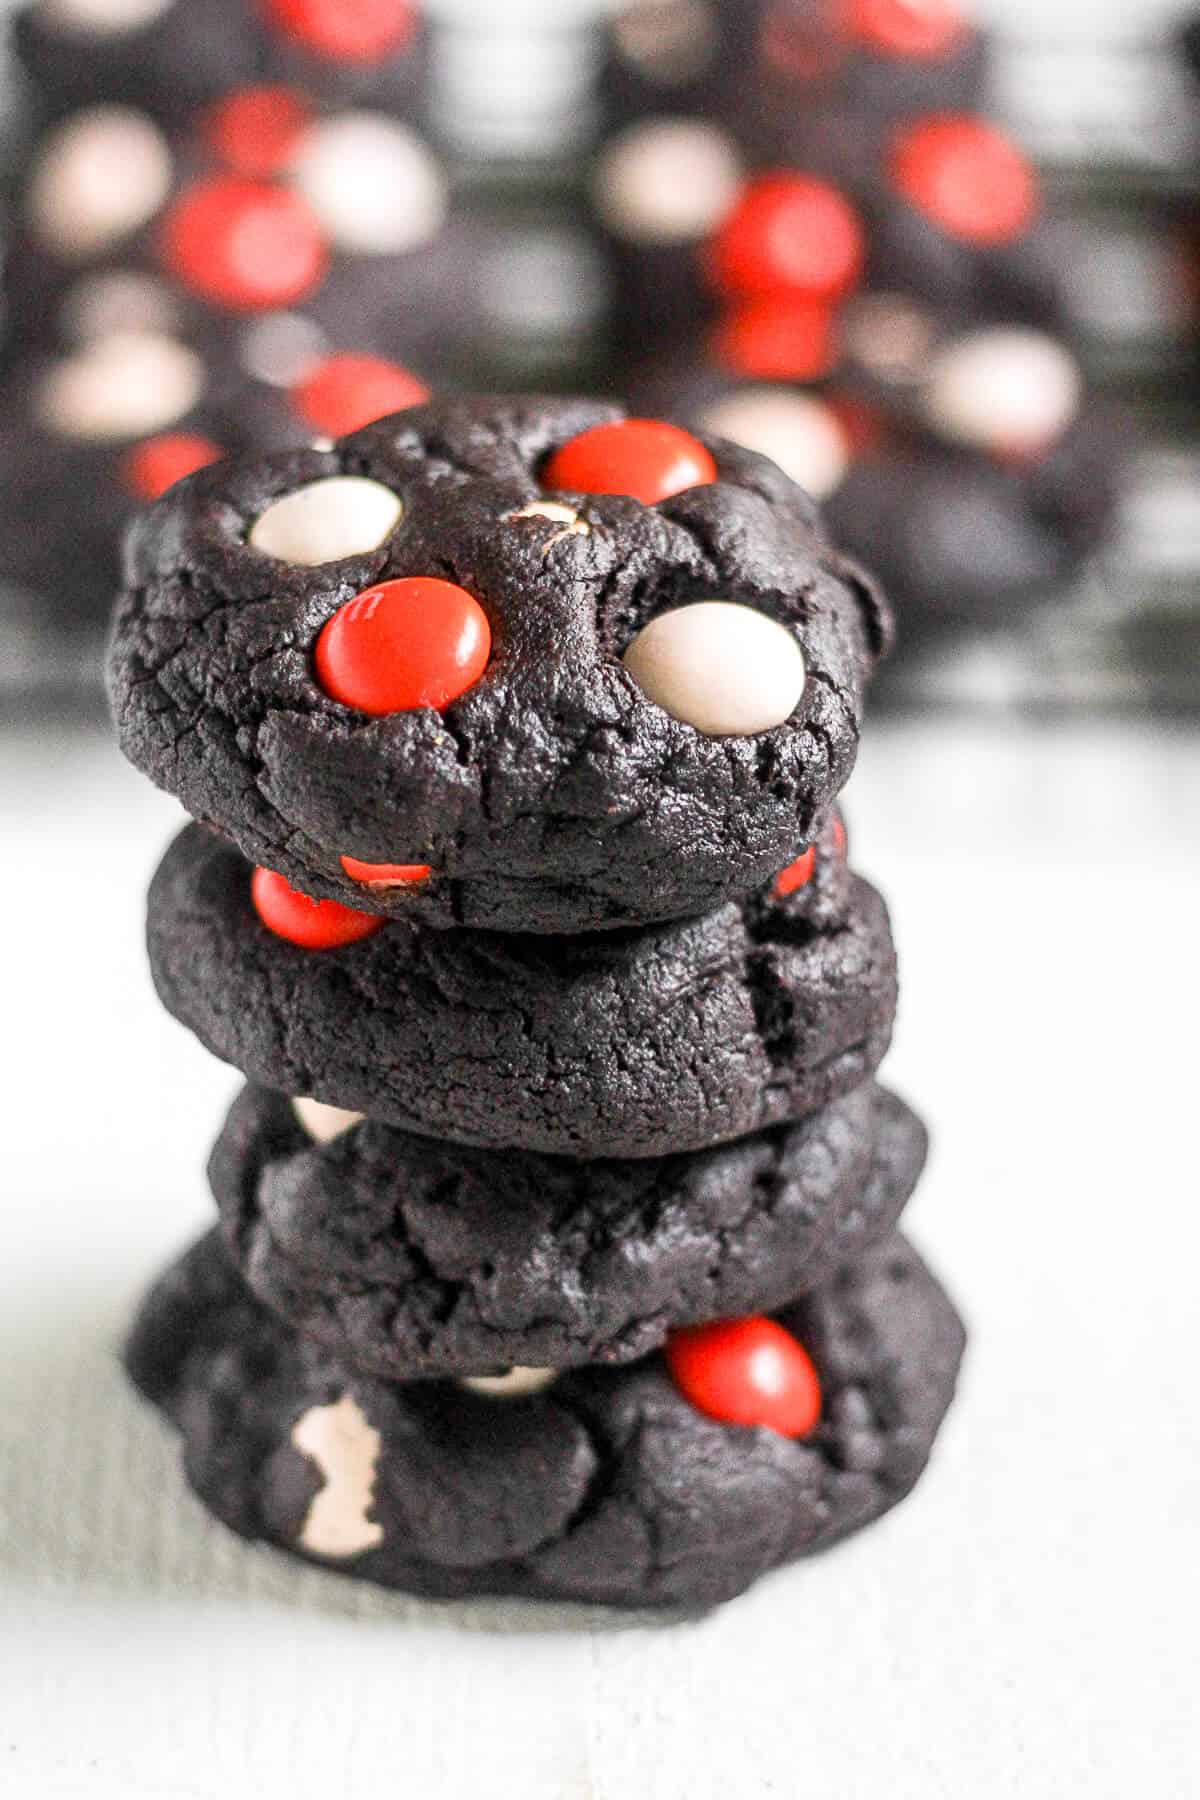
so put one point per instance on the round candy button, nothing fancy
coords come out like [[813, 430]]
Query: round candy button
[[516, 1383], [966, 176], [789, 233], [777, 338], [98, 179], [341, 515], [376, 188], [414, 642], [385, 875], [255, 130], [645, 458], [725, 669], [313, 924], [149, 469], [920, 29], [244, 244], [345, 30], [798, 874], [347, 391], [1007, 389], [747, 1372], [797, 431]]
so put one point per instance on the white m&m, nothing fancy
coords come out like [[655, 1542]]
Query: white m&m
[[101, 18], [375, 187], [667, 181], [516, 1383], [125, 385], [323, 1122], [726, 669], [1008, 389], [97, 180], [797, 431], [340, 515]]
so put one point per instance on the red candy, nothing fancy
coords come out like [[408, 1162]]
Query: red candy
[[244, 244], [255, 130], [777, 340], [345, 30], [386, 874], [645, 458], [797, 874], [313, 924], [791, 234], [347, 391], [966, 176], [917, 28], [149, 469], [403, 644], [747, 1372]]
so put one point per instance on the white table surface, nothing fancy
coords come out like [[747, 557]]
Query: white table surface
[[1025, 1624]]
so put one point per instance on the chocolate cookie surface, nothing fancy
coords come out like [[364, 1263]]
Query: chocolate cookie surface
[[635, 1043], [411, 1257], [606, 1486], [553, 793]]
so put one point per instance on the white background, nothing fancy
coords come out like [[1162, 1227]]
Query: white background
[[1024, 1625]]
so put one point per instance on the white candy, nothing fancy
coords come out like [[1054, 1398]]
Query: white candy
[[888, 334], [98, 178], [281, 348], [1006, 389], [340, 515], [519, 1381], [100, 18], [121, 300], [671, 41], [728, 670], [376, 188], [345, 1448], [125, 385], [667, 181], [797, 431], [323, 1122]]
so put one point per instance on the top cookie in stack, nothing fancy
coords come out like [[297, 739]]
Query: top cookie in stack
[[519, 664]]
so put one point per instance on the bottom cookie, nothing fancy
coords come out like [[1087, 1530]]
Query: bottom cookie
[[606, 1485]]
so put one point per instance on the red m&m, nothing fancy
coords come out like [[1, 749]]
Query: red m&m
[[345, 30], [747, 1372], [917, 28], [313, 924], [789, 233], [966, 176], [798, 874], [347, 391], [414, 642], [385, 874], [645, 458], [777, 339], [149, 469], [244, 244], [255, 130]]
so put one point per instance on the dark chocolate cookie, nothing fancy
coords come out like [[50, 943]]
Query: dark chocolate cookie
[[411, 1257], [551, 792], [632, 1043], [171, 55], [606, 1486]]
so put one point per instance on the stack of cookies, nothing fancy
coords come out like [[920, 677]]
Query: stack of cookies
[[557, 1251], [824, 249], [229, 232]]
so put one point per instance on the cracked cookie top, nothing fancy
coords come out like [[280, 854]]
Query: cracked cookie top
[[450, 668]]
